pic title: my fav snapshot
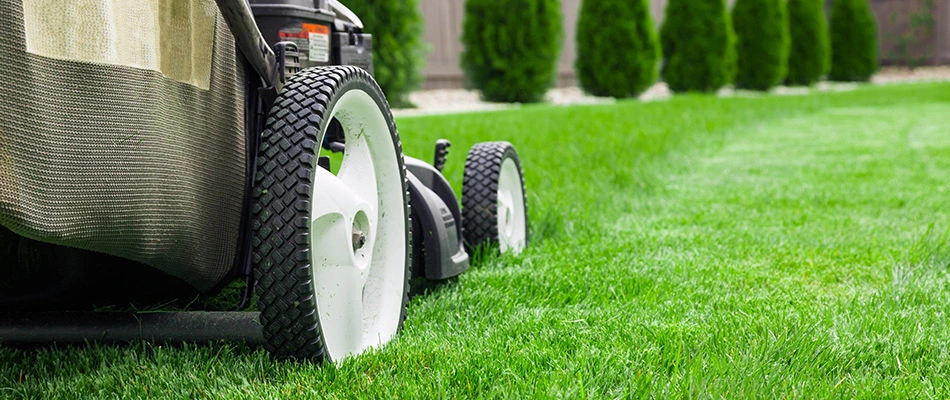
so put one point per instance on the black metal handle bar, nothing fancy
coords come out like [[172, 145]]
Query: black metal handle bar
[[240, 20]]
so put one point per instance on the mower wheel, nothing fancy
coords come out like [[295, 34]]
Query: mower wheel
[[332, 252], [494, 210]]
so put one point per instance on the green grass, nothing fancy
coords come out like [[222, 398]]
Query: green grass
[[778, 247]]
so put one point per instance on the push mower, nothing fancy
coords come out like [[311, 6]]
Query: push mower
[[153, 150]]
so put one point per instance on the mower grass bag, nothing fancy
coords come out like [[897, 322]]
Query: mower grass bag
[[122, 131]]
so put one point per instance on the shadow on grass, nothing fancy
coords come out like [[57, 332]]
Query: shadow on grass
[[84, 335], [423, 287]]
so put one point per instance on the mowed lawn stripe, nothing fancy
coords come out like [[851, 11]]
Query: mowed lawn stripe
[[819, 256]]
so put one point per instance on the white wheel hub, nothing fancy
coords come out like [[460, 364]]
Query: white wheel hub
[[512, 233], [358, 234]]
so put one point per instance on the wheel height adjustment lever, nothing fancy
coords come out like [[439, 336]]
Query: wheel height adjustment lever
[[288, 60], [324, 162], [441, 151]]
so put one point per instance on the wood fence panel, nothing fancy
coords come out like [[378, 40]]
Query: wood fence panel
[[902, 41], [443, 30], [942, 31], [444, 26]]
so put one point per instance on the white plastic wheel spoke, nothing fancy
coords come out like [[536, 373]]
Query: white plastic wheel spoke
[[359, 233], [358, 173], [512, 233], [504, 224], [340, 296], [332, 196], [338, 272]]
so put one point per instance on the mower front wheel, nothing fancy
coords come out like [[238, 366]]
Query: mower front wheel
[[494, 210], [331, 251]]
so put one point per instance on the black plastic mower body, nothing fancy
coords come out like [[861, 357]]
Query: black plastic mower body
[[438, 250]]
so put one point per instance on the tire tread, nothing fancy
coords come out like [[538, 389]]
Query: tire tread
[[480, 192]]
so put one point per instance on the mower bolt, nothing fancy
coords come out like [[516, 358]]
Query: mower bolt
[[359, 240]]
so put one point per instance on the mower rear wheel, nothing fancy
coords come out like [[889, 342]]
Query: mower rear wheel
[[331, 251], [494, 210]]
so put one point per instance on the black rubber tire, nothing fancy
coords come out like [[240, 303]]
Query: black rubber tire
[[283, 190], [480, 193]]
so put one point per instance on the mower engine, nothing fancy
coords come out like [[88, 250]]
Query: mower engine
[[324, 32]]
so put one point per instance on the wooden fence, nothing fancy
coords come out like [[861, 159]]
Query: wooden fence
[[913, 32], [906, 36]]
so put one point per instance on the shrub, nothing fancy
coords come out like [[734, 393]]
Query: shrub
[[761, 28], [810, 50], [698, 46], [617, 49], [853, 41], [398, 47], [511, 48]]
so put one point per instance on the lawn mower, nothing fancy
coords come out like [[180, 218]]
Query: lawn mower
[[156, 150]]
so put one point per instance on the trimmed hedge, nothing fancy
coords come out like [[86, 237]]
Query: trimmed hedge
[[762, 42], [398, 47], [511, 48], [853, 41], [810, 52], [698, 46], [617, 48]]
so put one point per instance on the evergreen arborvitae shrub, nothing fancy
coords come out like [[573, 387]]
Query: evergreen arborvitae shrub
[[617, 48], [511, 48], [398, 47], [698, 45], [853, 41], [810, 50], [761, 28]]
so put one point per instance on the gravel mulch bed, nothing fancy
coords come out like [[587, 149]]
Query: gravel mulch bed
[[449, 101]]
